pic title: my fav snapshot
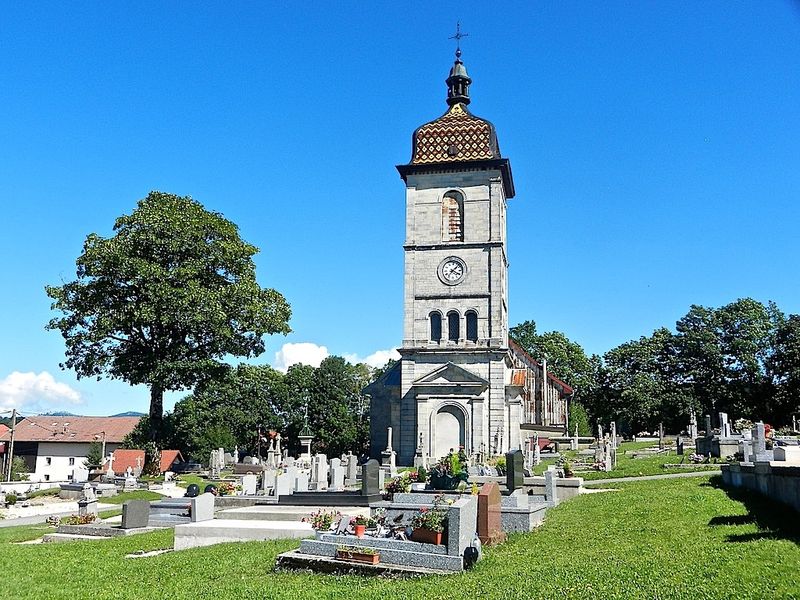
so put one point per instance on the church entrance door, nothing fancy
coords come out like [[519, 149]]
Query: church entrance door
[[450, 432]]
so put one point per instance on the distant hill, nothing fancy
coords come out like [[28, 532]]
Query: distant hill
[[60, 413], [130, 413]]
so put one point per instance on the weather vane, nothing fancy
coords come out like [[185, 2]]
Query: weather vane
[[457, 37]]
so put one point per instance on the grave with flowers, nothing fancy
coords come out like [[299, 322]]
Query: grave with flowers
[[416, 532]]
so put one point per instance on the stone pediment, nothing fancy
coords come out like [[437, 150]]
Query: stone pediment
[[452, 376]]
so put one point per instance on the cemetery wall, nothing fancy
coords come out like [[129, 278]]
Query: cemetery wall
[[780, 483]]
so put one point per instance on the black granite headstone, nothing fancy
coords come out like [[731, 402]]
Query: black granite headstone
[[515, 470], [370, 478], [679, 446], [135, 513]]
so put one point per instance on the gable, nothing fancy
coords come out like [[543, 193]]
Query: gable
[[450, 375]]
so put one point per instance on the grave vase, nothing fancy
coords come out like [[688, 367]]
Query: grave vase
[[360, 529]]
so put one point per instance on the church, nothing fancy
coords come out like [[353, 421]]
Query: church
[[461, 381]]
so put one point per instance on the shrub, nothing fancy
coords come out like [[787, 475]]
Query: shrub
[[422, 475], [11, 499]]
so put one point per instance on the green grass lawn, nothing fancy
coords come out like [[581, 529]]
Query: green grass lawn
[[136, 495], [679, 538], [628, 466]]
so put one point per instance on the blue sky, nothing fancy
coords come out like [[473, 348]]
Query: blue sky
[[654, 147]]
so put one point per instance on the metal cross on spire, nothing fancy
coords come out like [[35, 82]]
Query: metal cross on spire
[[457, 37]]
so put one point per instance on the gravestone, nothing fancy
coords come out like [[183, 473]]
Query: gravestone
[[759, 441], [679, 446], [692, 426], [661, 435], [351, 477], [135, 514], [249, 484], [537, 451], [550, 489], [130, 484], [573, 442], [87, 505], [724, 427], [614, 443], [301, 482], [319, 473], [490, 526], [283, 485], [79, 475], [515, 470], [337, 475], [202, 508], [370, 478]]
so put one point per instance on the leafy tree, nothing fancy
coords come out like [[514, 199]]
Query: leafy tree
[[723, 352], [784, 371], [578, 416], [19, 470], [164, 300], [94, 455]]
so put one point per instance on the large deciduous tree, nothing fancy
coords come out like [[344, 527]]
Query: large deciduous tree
[[164, 300], [784, 369]]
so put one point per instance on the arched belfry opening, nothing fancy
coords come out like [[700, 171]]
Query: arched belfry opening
[[453, 217]]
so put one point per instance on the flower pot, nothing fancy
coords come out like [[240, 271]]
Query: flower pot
[[371, 559], [426, 536], [360, 529]]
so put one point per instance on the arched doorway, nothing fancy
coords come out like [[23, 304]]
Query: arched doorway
[[450, 430]]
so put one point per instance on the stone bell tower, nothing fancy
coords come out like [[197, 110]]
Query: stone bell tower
[[455, 333]]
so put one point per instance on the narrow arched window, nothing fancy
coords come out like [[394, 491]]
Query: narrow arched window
[[453, 217], [436, 326], [453, 323], [472, 326]]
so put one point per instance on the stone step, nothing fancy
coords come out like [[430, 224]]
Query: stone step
[[391, 556], [322, 564], [388, 543], [207, 533]]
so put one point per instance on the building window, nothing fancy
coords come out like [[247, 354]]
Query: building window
[[453, 324], [453, 217], [72, 460], [436, 326], [47, 477], [472, 326], [48, 461]]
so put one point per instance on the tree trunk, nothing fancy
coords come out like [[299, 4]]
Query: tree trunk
[[156, 411]]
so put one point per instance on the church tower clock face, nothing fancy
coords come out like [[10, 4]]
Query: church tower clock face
[[452, 270]]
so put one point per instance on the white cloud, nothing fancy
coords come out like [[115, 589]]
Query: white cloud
[[35, 392], [309, 353], [305, 353], [381, 357]]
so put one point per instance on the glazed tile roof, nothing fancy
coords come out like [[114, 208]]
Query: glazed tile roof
[[456, 136], [45, 428]]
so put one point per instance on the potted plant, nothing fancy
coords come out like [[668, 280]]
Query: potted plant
[[360, 523], [322, 520], [449, 472], [358, 554], [428, 525]]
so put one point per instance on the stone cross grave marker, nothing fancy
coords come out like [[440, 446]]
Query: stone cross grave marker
[[759, 441]]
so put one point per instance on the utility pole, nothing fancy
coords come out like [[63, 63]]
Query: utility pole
[[11, 444]]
